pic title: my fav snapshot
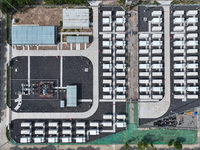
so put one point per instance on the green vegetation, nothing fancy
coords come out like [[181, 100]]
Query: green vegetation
[[122, 1], [178, 145], [170, 143], [6, 4], [61, 24], [8, 28], [8, 87], [183, 2], [7, 134], [142, 145], [127, 146], [60, 2], [147, 2]]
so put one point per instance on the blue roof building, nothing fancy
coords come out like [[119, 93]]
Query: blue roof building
[[33, 35]]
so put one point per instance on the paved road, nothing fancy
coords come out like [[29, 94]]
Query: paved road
[[91, 53], [157, 109]]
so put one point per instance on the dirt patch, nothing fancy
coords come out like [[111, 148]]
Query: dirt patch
[[40, 16], [110, 2], [33, 47], [66, 46], [73, 46], [19, 47], [47, 47]]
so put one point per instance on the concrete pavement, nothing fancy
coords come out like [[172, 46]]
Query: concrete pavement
[[158, 109], [91, 53]]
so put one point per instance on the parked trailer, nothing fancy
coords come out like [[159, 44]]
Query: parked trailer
[[66, 139], [157, 58], [192, 43], [107, 13], [192, 20], [144, 66], [107, 43], [120, 51], [143, 35], [156, 51], [144, 89], [156, 21], [109, 59], [157, 43], [157, 74], [157, 81], [120, 36], [107, 96], [107, 74], [66, 131], [120, 74], [192, 28], [156, 13], [107, 51], [179, 81], [192, 96], [157, 96], [67, 124], [80, 124], [144, 43], [94, 131], [156, 28], [122, 97], [38, 139], [192, 12], [107, 123], [179, 36], [121, 82], [179, 74], [39, 124], [107, 66], [179, 66], [143, 51], [157, 89], [192, 66], [178, 13], [143, 81], [107, 81], [194, 81], [106, 20], [39, 131], [94, 123], [178, 20], [26, 124], [193, 88], [107, 36], [179, 89], [179, 51], [107, 116], [144, 97], [120, 28], [192, 51], [121, 89], [107, 89], [121, 116], [120, 13], [106, 29], [80, 131], [53, 131], [26, 131], [178, 28], [157, 66], [80, 139], [192, 35], [25, 139], [179, 96], [178, 58], [120, 20], [192, 73], [121, 59], [120, 43], [143, 74], [179, 43], [143, 59], [157, 36]]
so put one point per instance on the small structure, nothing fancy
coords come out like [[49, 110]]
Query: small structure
[[71, 96], [75, 18], [78, 39]]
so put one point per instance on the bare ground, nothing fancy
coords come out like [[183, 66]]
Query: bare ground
[[40, 16]]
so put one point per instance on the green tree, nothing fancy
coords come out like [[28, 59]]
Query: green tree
[[127, 146], [178, 145], [142, 145]]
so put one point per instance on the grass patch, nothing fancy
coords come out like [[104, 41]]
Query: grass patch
[[183, 2], [128, 59], [122, 1], [7, 133], [8, 87]]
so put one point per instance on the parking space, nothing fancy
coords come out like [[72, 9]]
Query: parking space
[[151, 54], [68, 130], [112, 53]]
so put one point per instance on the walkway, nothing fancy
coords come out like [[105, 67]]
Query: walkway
[[91, 53], [158, 109]]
